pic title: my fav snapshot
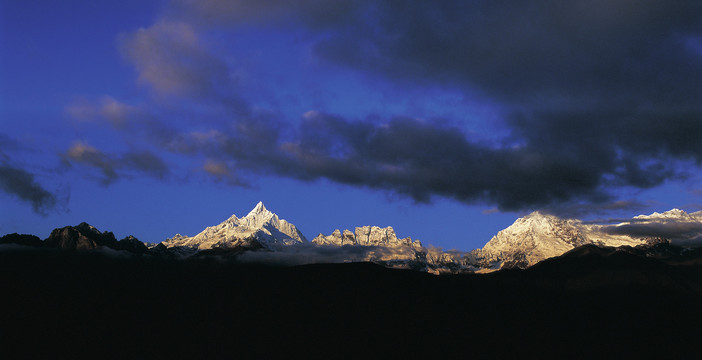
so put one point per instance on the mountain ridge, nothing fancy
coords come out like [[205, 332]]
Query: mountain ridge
[[262, 236]]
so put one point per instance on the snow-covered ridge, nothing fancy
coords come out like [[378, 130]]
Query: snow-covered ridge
[[260, 226], [537, 236], [527, 241], [673, 214]]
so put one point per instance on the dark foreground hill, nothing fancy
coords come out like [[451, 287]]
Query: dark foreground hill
[[97, 305]]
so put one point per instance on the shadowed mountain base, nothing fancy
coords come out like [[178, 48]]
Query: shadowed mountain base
[[583, 305]]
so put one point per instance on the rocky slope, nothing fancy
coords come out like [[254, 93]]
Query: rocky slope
[[81, 237]]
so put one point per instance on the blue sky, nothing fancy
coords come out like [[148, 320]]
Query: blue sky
[[446, 121]]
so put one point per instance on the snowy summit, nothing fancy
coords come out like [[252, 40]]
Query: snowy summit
[[260, 226]]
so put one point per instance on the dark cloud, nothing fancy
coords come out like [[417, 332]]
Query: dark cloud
[[420, 159], [596, 96], [145, 162], [561, 53], [595, 89], [577, 210], [17, 181], [678, 231], [23, 185], [423, 159], [315, 13], [114, 167]]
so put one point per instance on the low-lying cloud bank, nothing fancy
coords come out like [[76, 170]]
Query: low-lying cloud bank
[[310, 253], [682, 230]]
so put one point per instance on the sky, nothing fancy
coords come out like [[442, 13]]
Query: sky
[[446, 120]]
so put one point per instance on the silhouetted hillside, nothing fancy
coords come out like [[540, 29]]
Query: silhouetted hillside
[[114, 306]]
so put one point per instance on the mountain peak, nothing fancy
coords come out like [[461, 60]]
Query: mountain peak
[[259, 209], [675, 212], [540, 215], [260, 225]]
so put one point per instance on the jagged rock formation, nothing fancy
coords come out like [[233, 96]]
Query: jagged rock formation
[[87, 237], [260, 228], [378, 245], [366, 236]]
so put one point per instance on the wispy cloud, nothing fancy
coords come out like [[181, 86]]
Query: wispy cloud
[[116, 113], [114, 167], [170, 58], [222, 172]]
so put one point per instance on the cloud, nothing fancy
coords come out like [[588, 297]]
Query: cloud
[[680, 232], [596, 96], [417, 158], [145, 162], [222, 172], [90, 156], [576, 210], [674, 230], [316, 13], [525, 52], [114, 167], [309, 253], [23, 185], [107, 108], [575, 54], [423, 159], [170, 58]]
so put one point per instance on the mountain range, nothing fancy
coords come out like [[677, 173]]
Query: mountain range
[[623, 287], [263, 237]]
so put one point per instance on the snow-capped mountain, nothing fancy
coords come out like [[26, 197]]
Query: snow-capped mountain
[[259, 228], [533, 238], [538, 236]]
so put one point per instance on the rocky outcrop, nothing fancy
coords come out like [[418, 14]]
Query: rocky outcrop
[[133, 245], [81, 237], [21, 239]]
